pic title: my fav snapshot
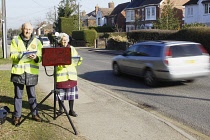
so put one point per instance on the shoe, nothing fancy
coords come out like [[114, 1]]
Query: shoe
[[59, 112], [36, 118], [16, 121], [72, 113]]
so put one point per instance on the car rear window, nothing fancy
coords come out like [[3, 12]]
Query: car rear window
[[185, 50]]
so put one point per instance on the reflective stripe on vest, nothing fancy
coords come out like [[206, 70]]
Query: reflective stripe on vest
[[66, 73], [29, 68], [63, 75]]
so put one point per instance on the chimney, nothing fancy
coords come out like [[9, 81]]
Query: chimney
[[96, 9], [83, 13], [111, 4]]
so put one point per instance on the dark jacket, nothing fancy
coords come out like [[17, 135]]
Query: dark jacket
[[25, 78]]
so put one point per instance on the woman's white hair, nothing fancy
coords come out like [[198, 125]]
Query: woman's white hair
[[61, 35]]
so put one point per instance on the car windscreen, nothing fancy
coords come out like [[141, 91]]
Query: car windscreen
[[184, 50]]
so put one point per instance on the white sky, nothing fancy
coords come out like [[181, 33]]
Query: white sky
[[34, 11]]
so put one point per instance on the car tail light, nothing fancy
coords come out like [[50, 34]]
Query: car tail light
[[204, 51], [167, 55]]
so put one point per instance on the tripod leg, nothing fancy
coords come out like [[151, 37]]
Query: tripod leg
[[55, 93], [34, 109], [75, 131]]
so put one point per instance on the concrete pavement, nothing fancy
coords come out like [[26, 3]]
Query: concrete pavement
[[104, 116]]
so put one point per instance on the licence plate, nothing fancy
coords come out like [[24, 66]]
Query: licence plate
[[190, 61]]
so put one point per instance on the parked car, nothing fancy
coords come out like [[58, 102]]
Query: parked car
[[163, 61], [45, 41]]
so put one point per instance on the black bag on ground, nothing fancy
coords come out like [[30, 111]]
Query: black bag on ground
[[3, 114]]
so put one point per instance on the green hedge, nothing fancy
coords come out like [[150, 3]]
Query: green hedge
[[67, 25], [102, 29], [150, 34], [195, 34], [88, 36], [108, 34]]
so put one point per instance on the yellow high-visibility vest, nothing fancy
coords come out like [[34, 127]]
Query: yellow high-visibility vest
[[16, 52], [68, 72]]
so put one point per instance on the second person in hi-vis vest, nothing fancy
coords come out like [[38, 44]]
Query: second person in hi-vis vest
[[67, 76]]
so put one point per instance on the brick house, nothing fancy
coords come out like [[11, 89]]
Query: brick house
[[141, 14], [103, 13], [117, 17], [88, 19]]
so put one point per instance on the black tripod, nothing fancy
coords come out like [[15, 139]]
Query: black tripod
[[56, 94]]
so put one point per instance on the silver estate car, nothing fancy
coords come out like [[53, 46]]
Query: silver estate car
[[163, 61]]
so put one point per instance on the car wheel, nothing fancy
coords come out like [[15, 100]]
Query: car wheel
[[150, 79], [116, 69], [190, 81]]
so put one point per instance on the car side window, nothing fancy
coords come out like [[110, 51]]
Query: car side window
[[149, 50], [154, 51], [131, 51], [141, 50]]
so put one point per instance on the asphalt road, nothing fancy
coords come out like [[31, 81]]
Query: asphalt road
[[186, 103]]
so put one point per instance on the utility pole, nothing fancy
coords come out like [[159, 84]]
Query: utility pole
[[4, 29], [79, 16], [55, 12]]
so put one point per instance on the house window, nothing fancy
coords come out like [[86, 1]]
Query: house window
[[153, 11], [112, 21], [132, 15], [99, 22], [183, 13], [190, 11], [207, 8], [150, 13], [142, 12]]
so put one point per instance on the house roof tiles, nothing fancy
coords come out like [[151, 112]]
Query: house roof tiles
[[147, 2], [191, 2], [134, 3], [119, 8], [106, 11], [138, 3]]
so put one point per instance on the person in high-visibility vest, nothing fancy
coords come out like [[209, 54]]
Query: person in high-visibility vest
[[66, 76], [26, 54]]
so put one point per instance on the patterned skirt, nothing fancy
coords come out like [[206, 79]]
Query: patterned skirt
[[68, 93]]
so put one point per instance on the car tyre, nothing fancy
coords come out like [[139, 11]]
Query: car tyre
[[116, 69], [149, 79], [190, 81]]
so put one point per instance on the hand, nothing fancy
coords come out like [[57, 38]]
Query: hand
[[32, 56]]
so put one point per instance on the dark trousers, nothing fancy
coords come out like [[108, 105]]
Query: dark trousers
[[18, 90]]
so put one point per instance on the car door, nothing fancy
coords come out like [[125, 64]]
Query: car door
[[135, 61], [147, 56], [126, 63], [140, 59]]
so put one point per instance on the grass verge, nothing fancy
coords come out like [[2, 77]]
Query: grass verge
[[2, 60], [59, 129]]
